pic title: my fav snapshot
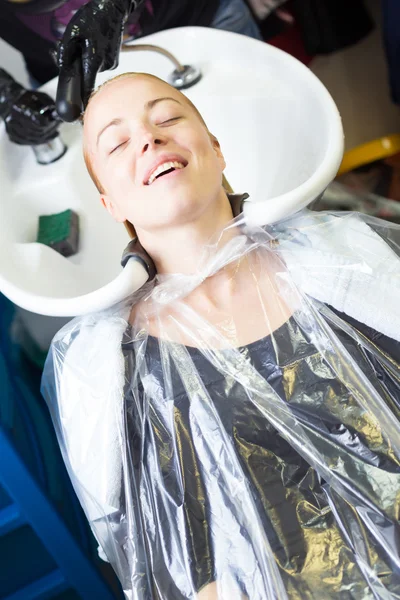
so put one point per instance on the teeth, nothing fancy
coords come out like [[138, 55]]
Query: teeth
[[164, 167]]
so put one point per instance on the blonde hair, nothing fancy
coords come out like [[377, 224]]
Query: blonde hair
[[86, 157]]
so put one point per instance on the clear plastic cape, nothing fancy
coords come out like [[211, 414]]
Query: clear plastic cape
[[250, 443]]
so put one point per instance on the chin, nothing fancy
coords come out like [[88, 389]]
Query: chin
[[180, 203]]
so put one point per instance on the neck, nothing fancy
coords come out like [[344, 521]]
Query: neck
[[179, 249]]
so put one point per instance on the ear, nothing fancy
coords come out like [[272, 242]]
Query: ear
[[217, 149], [112, 208]]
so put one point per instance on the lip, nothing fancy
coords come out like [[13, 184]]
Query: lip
[[160, 160]]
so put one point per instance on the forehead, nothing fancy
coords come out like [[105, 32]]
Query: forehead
[[124, 97]]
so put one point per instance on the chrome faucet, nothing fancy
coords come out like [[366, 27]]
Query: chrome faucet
[[50, 151], [182, 77]]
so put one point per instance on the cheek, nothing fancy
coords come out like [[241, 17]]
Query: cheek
[[205, 148], [117, 175], [201, 149], [193, 139], [118, 183], [119, 171]]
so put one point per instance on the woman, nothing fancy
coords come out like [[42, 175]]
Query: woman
[[228, 435]]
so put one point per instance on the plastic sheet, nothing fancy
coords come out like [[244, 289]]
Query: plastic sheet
[[341, 197], [251, 451]]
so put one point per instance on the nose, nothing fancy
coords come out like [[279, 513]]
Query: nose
[[151, 140]]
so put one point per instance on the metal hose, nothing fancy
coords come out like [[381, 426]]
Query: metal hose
[[152, 48]]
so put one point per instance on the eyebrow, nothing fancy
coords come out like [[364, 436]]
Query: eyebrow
[[110, 124], [151, 104], [148, 106]]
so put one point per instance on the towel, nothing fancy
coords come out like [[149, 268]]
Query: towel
[[91, 414], [343, 262]]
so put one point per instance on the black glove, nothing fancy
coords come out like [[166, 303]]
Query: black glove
[[91, 43], [30, 117]]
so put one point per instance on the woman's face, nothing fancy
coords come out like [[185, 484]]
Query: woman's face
[[154, 158]]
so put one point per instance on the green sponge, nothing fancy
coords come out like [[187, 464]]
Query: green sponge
[[60, 232]]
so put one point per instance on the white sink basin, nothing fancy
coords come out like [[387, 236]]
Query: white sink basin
[[279, 130]]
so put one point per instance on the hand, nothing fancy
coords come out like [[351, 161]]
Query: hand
[[32, 119], [93, 40]]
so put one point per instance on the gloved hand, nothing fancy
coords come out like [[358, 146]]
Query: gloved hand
[[30, 117], [91, 43]]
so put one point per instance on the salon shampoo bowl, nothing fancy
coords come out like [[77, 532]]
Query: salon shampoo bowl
[[278, 127]]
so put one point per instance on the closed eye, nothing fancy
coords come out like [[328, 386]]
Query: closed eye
[[119, 146], [170, 121]]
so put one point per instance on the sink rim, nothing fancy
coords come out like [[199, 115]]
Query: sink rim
[[134, 275]]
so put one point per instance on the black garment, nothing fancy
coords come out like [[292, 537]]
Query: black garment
[[37, 50], [169, 14], [297, 509], [330, 25]]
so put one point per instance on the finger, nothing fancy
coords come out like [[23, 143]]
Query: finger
[[26, 132], [69, 97], [91, 64], [68, 50], [32, 135], [48, 135], [19, 135], [49, 117], [45, 101], [111, 58]]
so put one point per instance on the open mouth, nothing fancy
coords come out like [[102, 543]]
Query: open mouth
[[165, 169]]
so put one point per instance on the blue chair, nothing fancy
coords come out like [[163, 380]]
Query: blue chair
[[46, 548]]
